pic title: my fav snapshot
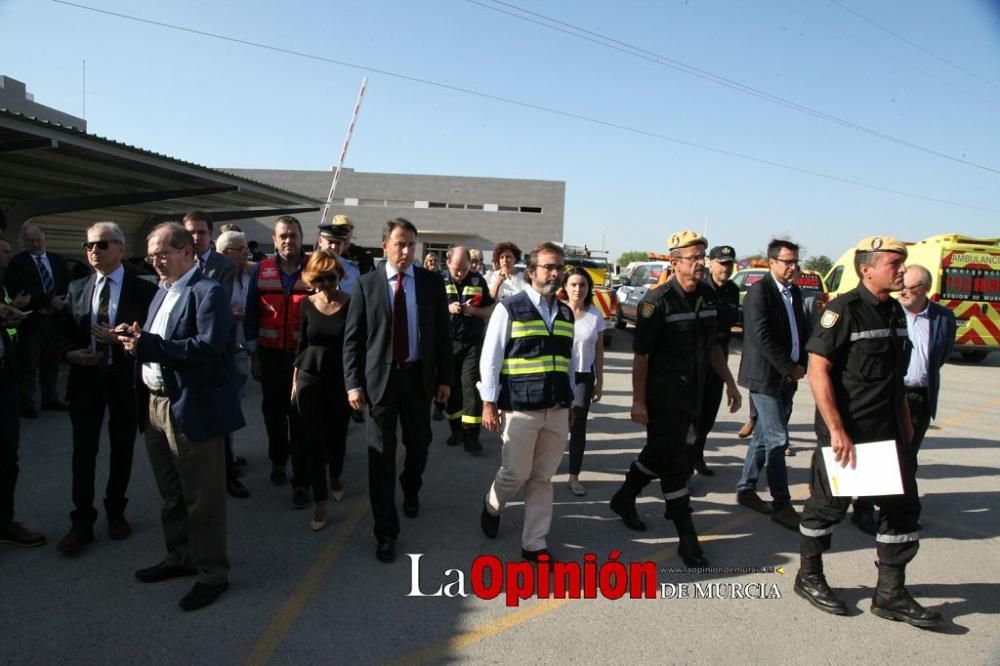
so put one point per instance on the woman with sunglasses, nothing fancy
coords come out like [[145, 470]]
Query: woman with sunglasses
[[318, 384], [588, 349]]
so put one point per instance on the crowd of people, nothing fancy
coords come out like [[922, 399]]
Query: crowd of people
[[334, 340]]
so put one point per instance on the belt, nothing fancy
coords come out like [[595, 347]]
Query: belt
[[917, 389], [404, 365], [159, 393]]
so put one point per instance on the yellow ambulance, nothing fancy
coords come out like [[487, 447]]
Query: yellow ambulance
[[965, 277]]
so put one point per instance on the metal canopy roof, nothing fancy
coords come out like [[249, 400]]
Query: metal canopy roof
[[48, 170]]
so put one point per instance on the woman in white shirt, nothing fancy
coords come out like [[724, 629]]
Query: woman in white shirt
[[588, 348], [503, 280]]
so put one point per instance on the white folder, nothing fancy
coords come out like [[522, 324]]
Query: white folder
[[876, 472]]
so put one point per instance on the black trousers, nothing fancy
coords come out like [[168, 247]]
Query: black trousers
[[920, 415], [899, 515], [465, 408], [664, 454], [100, 391], [404, 404], [285, 434], [39, 356], [583, 395], [10, 431], [705, 421], [322, 404]]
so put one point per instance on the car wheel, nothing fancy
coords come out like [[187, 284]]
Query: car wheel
[[620, 322], [974, 355]]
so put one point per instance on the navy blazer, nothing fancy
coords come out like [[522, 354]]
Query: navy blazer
[[767, 338], [222, 269], [940, 345], [197, 358], [368, 334]]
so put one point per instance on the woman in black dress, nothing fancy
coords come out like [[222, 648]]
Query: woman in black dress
[[318, 386]]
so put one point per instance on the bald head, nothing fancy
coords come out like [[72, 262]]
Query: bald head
[[916, 283], [458, 262]]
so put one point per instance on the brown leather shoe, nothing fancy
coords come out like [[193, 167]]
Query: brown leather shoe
[[747, 429]]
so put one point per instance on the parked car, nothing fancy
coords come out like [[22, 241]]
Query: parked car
[[814, 293], [634, 287]]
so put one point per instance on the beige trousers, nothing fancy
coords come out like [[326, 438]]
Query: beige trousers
[[191, 477], [533, 445]]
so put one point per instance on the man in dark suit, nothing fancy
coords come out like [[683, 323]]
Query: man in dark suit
[[45, 277], [185, 364], [931, 329], [773, 361], [397, 357], [11, 532], [100, 380]]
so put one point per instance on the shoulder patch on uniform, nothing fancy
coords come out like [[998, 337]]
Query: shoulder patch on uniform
[[646, 310], [829, 319]]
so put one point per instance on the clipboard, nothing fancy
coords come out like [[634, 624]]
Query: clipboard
[[876, 472]]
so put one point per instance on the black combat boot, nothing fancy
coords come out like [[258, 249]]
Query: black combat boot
[[623, 501], [810, 584], [893, 602], [470, 440], [688, 548], [455, 438]]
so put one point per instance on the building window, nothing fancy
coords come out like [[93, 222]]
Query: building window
[[509, 209], [474, 206], [436, 204], [459, 206], [531, 209], [350, 201]]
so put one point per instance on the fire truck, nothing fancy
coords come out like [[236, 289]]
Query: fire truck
[[965, 278], [595, 262]]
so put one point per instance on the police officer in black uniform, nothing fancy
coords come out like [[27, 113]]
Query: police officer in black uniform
[[727, 299], [470, 305], [857, 360], [676, 346]]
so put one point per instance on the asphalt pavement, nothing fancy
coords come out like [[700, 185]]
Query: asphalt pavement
[[299, 597]]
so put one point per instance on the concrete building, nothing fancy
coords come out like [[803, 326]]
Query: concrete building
[[477, 212], [14, 96]]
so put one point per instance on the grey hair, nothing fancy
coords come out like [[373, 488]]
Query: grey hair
[[227, 237], [177, 236], [116, 231], [926, 276]]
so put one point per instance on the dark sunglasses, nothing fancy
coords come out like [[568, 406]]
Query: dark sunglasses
[[100, 245]]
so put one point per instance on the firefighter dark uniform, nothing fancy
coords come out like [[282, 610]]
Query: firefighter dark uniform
[[866, 343], [727, 298], [675, 330], [465, 408]]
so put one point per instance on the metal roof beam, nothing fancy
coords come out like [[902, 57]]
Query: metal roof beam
[[19, 145], [226, 215]]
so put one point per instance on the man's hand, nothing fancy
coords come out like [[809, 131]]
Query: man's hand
[[22, 299], [443, 393], [733, 398], [128, 336], [491, 417], [105, 334], [356, 399], [843, 448], [84, 357], [255, 369], [10, 316], [639, 413], [455, 308], [57, 302], [797, 373]]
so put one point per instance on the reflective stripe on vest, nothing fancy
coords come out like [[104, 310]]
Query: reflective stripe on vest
[[524, 329], [878, 333], [529, 366], [535, 370]]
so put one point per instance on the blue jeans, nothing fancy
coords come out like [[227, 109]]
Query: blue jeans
[[767, 447]]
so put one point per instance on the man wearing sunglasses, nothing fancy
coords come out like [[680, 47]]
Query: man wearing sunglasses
[[100, 381]]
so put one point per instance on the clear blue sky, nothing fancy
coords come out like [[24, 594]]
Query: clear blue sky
[[228, 105]]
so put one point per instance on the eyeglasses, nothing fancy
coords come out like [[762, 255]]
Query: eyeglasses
[[789, 262], [159, 256], [694, 258], [552, 268], [238, 250], [913, 287], [100, 245]]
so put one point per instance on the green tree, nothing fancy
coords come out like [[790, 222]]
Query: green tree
[[627, 258], [820, 264]]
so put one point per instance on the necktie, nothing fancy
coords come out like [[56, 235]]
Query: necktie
[[104, 318], [48, 286], [400, 330], [201, 263]]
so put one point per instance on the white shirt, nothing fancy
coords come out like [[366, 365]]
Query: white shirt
[[918, 327], [495, 341], [512, 285], [586, 331], [410, 290], [152, 373], [786, 298]]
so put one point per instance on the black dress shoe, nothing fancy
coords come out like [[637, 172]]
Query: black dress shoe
[[703, 469], [79, 537], [201, 595], [301, 498], [533, 555], [118, 527], [236, 489], [472, 445], [813, 588], [163, 571], [411, 506], [385, 551], [752, 500], [488, 522], [17, 534], [625, 509]]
